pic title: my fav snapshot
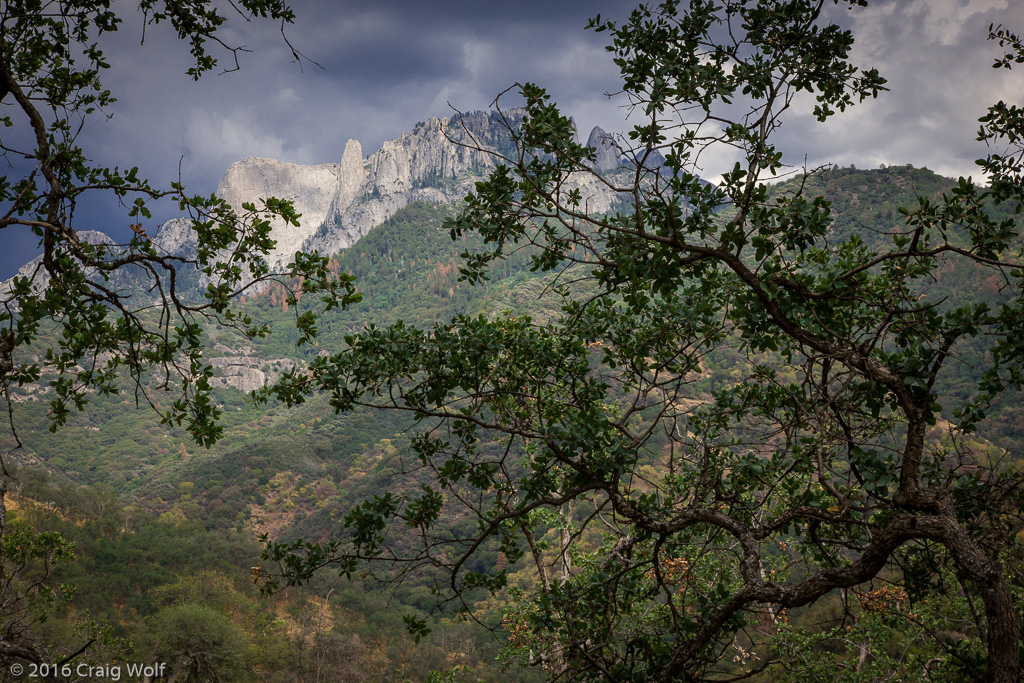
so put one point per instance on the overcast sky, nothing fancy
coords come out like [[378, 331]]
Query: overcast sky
[[389, 64]]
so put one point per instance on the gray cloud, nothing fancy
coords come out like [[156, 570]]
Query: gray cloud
[[938, 62], [394, 63]]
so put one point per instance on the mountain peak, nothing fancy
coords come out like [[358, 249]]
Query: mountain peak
[[609, 156], [438, 161]]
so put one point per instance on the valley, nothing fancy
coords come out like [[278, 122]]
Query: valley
[[161, 526]]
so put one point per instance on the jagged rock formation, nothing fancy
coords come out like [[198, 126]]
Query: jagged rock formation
[[176, 237], [310, 188], [608, 156], [340, 202], [439, 161]]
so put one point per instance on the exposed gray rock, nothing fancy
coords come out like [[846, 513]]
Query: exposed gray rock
[[176, 237], [608, 156], [575, 131], [34, 269], [247, 373], [310, 189], [351, 174], [439, 161], [341, 202]]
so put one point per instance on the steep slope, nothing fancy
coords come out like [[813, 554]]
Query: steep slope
[[407, 269], [295, 473], [439, 161]]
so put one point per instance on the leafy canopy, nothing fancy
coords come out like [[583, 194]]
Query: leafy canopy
[[669, 513], [108, 310], [91, 315]]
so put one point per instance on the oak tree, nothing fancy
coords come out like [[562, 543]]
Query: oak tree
[[109, 317], [674, 519]]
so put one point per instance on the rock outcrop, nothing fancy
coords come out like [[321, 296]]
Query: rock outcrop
[[603, 144], [247, 373], [311, 190], [37, 274], [177, 237], [240, 369], [439, 161]]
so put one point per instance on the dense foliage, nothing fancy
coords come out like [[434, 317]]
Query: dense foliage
[[138, 507], [674, 526], [761, 431], [50, 72], [160, 588], [83, 293]]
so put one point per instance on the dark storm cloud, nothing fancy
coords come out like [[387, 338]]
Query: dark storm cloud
[[385, 67], [392, 63]]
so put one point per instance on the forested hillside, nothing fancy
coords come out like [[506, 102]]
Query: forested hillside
[[163, 531]]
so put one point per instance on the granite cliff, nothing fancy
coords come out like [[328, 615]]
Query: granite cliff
[[37, 274], [439, 161]]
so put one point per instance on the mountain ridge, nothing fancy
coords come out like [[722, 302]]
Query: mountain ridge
[[439, 161]]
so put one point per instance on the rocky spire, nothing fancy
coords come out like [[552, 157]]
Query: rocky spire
[[351, 175], [608, 157], [437, 161]]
